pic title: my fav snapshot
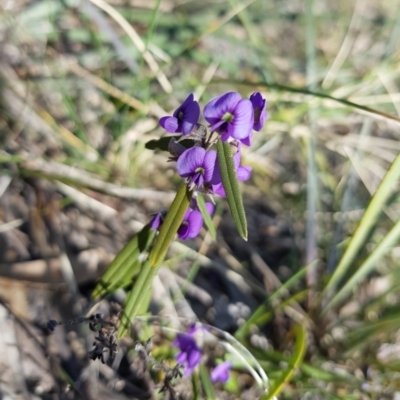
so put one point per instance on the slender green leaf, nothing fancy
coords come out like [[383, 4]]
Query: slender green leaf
[[206, 383], [206, 216], [366, 224], [263, 308], [195, 386], [136, 296], [295, 361], [231, 186], [170, 225], [125, 264], [387, 243]]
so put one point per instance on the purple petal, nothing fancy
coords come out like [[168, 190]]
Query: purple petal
[[216, 178], [181, 357], [259, 105], [193, 227], [257, 100], [156, 222], [194, 357], [218, 107], [221, 372], [184, 341], [190, 117], [243, 120], [170, 124], [243, 173], [209, 164], [184, 105], [247, 140], [183, 231], [219, 190], [189, 161], [210, 208]]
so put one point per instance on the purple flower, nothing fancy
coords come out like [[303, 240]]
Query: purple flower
[[197, 165], [190, 354], [184, 119], [231, 116], [259, 106], [221, 372], [192, 223]]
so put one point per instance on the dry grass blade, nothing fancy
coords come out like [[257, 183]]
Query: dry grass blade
[[127, 27]]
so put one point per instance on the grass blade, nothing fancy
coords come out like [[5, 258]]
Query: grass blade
[[387, 243], [295, 361], [231, 186], [367, 222], [170, 225], [206, 383]]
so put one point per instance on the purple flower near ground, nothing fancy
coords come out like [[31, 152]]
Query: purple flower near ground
[[197, 165], [221, 372], [231, 116], [184, 119], [259, 106], [190, 354]]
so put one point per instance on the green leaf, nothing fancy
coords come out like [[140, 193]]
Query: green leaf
[[295, 361], [206, 216], [160, 144], [386, 244], [163, 143], [206, 383], [366, 224], [231, 186], [136, 296], [125, 264], [170, 225]]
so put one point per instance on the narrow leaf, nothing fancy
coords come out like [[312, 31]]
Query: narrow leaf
[[136, 296], [170, 225], [295, 361], [206, 216], [206, 383], [124, 264], [231, 186], [366, 224], [387, 243]]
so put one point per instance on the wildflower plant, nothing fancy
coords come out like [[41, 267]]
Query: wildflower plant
[[208, 158]]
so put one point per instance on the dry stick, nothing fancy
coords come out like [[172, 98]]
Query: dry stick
[[137, 41], [79, 177]]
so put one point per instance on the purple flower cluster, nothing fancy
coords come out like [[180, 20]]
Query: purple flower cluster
[[231, 119], [190, 356]]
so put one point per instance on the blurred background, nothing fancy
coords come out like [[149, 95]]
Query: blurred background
[[82, 86]]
